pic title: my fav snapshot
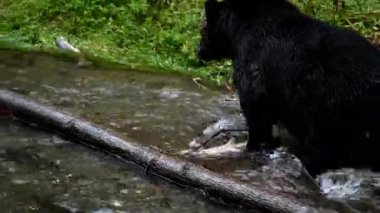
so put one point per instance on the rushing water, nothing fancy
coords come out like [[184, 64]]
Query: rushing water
[[41, 171]]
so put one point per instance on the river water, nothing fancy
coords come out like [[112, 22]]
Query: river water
[[42, 172]]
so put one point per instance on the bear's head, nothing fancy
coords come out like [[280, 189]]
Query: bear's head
[[225, 21], [214, 44]]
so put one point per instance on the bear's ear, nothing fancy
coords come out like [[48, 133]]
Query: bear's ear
[[212, 7]]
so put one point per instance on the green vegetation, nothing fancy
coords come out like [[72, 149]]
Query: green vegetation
[[159, 34], [361, 15]]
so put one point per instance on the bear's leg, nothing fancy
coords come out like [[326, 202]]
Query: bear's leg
[[260, 119], [317, 162], [260, 137], [320, 151]]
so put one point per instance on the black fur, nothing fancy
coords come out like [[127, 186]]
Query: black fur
[[318, 80]]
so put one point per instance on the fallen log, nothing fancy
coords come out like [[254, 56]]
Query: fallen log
[[213, 184]]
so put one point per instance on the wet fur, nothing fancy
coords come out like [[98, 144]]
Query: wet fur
[[318, 80]]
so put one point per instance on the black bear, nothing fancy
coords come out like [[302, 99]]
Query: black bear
[[317, 80]]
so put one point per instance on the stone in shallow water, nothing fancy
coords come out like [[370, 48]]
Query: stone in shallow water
[[282, 171]]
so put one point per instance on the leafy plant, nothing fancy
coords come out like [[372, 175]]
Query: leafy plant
[[161, 34]]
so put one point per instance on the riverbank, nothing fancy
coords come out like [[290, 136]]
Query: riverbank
[[158, 35]]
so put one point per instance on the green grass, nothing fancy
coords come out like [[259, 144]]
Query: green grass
[[155, 34], [361, 15]]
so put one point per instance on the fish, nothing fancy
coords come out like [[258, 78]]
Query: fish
[[63, 44]]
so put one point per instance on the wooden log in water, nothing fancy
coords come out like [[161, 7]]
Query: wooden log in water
[[171, 168]]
